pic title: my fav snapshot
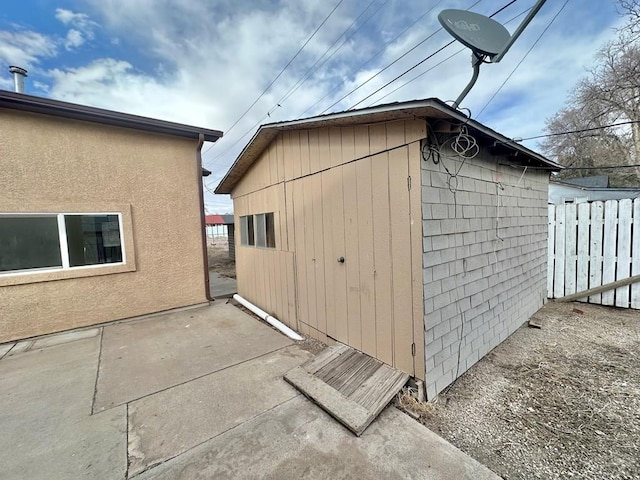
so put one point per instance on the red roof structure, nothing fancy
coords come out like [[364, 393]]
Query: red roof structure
[[219, 219]]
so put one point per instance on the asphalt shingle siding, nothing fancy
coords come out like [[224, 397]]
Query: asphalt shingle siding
[[480, 282]]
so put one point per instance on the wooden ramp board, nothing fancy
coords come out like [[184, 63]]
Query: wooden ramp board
[[351, 386]]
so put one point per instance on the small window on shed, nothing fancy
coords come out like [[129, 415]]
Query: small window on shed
[[261, 235], [270, 230], [246, 230]]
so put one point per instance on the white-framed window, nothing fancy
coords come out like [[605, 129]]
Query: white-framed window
[[258, 230], [34, 242]]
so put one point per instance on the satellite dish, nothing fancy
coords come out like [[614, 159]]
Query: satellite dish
[[481, 34], [484, 36]]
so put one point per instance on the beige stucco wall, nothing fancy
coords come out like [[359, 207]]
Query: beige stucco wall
[[51, 164]]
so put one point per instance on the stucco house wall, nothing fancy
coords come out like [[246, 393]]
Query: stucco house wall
[[60, 165], [485, 254]]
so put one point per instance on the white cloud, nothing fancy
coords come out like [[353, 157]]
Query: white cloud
[[74, 39], [82, 27], [24, 48], [210, 61]]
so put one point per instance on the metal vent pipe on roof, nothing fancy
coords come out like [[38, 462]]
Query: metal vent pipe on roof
[[19, 74]]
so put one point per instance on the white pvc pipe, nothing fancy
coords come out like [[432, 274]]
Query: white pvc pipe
[[268, 318]]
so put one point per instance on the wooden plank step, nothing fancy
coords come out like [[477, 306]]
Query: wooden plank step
[[351, 386], [324, 357]]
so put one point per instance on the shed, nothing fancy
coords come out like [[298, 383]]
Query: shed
[[101, 216], [367, 227]]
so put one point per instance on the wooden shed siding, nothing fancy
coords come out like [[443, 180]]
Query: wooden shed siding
[[341, 192]]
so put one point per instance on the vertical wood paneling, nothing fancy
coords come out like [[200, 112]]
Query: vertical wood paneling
[[335, 147], [382, 242], [582, 270], [352, 263], [292, 299], [364, 234], [305, 160], [309, 256], [319, 256], [324, 160], [300, 250], [314, 150], [623, 267], [595, 249], [400, 250], [280, 156], [339, 271], [295, 153], [288, 156], [635, 254], [289, 213], [272, 159], [609, 248], [331, 182], [416, 130], [571, 234], [276, 286]]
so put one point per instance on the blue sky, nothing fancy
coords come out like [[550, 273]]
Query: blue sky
[[205, 62]]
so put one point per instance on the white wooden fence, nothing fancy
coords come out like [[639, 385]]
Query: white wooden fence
[[591, 244]]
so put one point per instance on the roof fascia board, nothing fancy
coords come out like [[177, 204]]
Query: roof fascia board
[[46, 106]]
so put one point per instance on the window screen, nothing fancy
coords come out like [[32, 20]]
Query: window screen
[[29, 242]]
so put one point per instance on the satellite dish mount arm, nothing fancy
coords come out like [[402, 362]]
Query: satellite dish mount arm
[[476, 61]]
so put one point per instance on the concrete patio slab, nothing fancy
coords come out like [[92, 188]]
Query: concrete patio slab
[[164, 425], [146, 356], [5, 348], [221, 287], [45, 403], [297, 440]]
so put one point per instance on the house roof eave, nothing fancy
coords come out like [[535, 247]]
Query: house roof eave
[[47, 106], [431, 108]]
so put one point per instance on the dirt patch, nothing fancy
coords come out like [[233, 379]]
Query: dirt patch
[[558, 402], [219, 261]]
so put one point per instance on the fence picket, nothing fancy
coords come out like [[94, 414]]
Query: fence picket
[[623, 264], [595, 249], [591, 244], [609, 249], [635, 254], [558, 277], [570, 228], [582, 270]]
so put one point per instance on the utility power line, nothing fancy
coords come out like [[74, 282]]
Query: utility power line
[[580, 130], [283, 68], [417, 64], [435, 66], [524, 57]]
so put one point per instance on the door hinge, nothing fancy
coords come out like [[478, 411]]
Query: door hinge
[[409, 182], [413, 349]]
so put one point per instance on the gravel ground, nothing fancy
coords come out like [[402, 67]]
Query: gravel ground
[[558, 402], [219, 261]]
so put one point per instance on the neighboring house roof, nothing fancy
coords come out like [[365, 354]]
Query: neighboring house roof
[[431, 108], [561, 191], [219, 219], [47, 106], [593, 181]]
